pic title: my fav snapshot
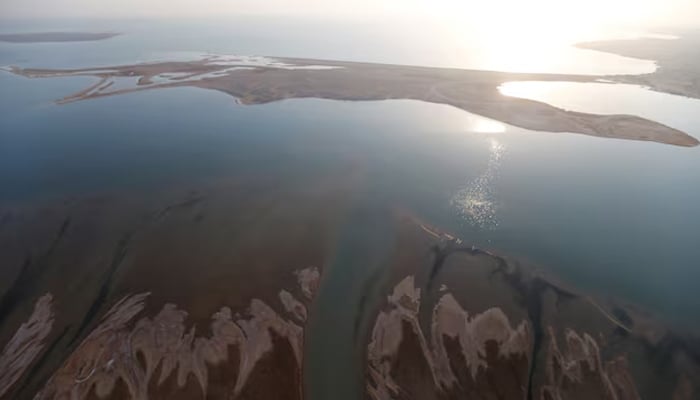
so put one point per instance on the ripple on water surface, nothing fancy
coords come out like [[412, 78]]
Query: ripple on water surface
[[476, 202]]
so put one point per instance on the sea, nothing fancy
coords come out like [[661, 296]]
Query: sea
[[614, 217]]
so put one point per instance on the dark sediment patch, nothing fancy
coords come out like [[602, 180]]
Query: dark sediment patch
[[119, 392], [117, 258], [530, 291], [222, 377], [411, 367], [171, 390], [504, 378], [29, 274], [278, 366], [180, 205]]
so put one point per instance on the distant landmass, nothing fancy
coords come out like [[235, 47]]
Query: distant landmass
[[258, 80], [45, 37], [678, 60]]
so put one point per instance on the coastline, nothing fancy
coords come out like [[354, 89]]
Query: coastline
[[677, 60], [260, 80]]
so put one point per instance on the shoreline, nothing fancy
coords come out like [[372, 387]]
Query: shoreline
[[678, 62], [260, 80]]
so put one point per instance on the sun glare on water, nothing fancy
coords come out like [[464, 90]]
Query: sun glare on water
[[536, 35], [479, 124], [476, 202]]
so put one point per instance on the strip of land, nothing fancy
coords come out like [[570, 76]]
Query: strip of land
[[258, 80], [678, 60], [46, 37]]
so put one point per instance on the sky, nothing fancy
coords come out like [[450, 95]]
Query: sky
[[530, 29], [642, 12]]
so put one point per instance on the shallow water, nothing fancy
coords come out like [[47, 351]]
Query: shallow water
[[584, 206]]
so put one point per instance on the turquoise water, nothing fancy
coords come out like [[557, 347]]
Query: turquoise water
[[616, 217]]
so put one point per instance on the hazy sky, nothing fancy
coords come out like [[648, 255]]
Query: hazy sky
[[666, 12]]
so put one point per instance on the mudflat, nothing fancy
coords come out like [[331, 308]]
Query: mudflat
[[464, 322], [209, 294], [183, 294]]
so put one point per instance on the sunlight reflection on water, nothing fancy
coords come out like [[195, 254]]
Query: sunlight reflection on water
[[484, 125], [477, 201]]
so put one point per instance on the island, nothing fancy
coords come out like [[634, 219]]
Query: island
[[48, 37], [678, 59], [258, 80]]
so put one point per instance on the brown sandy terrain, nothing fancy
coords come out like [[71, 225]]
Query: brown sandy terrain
[[44, 37], [176, 294], [265, 80], [206, 295], [466, 323], [115, 351], [678, 60]]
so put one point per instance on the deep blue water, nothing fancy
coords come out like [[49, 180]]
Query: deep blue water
[[615, 216]]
